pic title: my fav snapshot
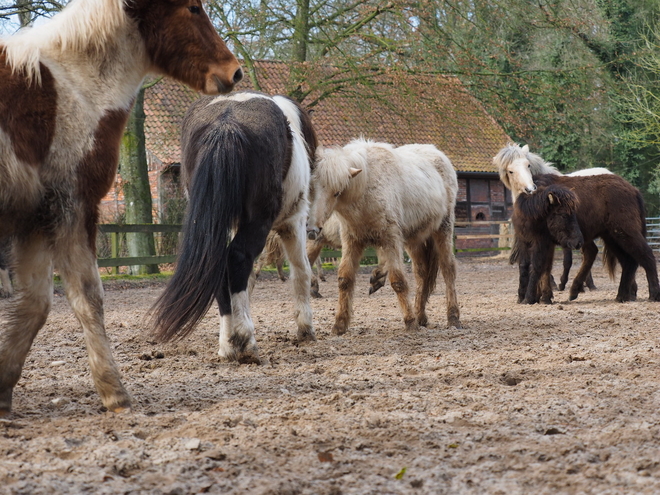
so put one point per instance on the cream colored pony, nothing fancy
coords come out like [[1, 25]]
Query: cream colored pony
[[390, 198]]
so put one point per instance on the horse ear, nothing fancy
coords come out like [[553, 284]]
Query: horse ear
[[551, 198], [354, 171], [525, 148]]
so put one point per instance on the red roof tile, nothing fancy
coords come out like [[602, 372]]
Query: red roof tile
[[421, 109]]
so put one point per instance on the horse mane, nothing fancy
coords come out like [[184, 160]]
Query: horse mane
[[537, 206], [333, 163], [513, 151], [83, 26]]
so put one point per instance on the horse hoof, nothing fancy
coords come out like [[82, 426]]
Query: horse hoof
[[121, 409], [4, 412], [316, 294], [572, 297], [250, 355], [423, 321], [412, 326], [339, 329], [454, 322], [306, 335], [561, 287]]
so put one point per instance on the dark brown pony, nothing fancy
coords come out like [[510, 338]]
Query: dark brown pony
[[541, 221], [66, 90], [612, 209]]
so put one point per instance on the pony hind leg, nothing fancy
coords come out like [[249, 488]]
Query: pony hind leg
[[639, 249], [237, 341], [420, 254], [77, 265], [447, 261], [34, 273], [294, 240]]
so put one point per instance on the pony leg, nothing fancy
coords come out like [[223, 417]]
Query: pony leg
[[522, 256], [34, 272], [590, 282], [447, 261], [313, 252], [377, 279], [419, 254], [350, 261], [643, 255], [7, 289], [294, 242], [568, 262], [82, 283], [546, 275], [394, 263], [589, 253], [237, 341]]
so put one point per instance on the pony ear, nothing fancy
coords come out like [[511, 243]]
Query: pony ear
[[525, 148], [551, 198], [354, 171]]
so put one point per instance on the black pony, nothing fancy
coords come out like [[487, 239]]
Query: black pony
[[612, 209], [541, 221], [246, 162]]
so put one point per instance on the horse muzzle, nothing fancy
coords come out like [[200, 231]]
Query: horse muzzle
[[313, 234], [530, 189]]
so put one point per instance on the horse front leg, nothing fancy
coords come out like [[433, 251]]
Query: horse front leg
[[350, 262], [546, 274], [568, 263], [394, 263], [589, 253], [294, 240], [313, 249], [523, 270], [34, 273], [76, 262]]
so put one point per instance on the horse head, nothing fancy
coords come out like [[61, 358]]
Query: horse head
[[182, 43], [556, 206], [330, 178]]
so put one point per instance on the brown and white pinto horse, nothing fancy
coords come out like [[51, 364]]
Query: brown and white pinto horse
[[66, 89]]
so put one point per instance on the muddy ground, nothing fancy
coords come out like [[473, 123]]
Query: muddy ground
[[541, 399]]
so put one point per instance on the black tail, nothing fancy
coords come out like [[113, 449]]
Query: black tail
[[215, 205]]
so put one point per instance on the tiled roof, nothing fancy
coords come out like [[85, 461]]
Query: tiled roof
[[425, 109]]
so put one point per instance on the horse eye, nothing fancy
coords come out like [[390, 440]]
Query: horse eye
[[194, 9], [510, 171], [336, 195]]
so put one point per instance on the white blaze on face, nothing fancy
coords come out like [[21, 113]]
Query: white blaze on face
[[520, 177]]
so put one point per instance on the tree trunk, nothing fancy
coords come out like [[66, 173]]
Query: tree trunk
[[301, 31], [137, 193]]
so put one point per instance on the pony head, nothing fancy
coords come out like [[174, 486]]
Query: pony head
[[332, 175], [514, 167], [556, 206], [182, 43]]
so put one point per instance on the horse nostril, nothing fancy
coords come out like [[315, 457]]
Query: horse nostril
[[238, 75]]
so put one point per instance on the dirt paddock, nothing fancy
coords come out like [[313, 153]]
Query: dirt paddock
[[523, 399]]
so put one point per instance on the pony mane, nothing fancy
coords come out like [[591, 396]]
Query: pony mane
[[513, 151], [333, 163], [83, 25]]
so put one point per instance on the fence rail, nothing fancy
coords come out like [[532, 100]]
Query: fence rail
[[469, 237]]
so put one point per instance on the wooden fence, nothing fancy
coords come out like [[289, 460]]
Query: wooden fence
[[469, 238]]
